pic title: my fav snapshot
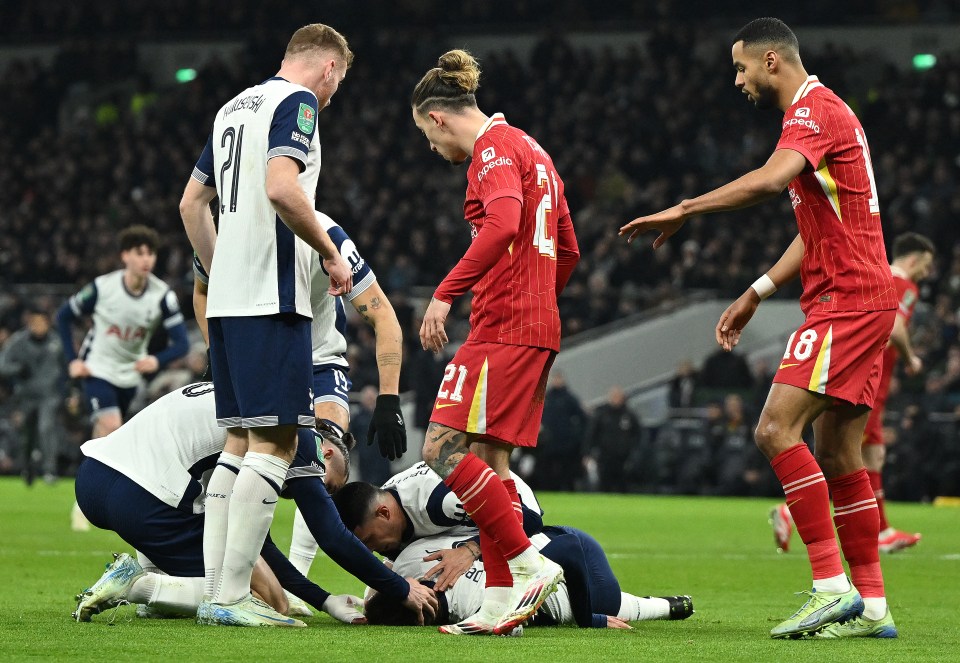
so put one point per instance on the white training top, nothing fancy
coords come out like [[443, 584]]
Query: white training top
[[259, 266], [466, 595], [123, 324]]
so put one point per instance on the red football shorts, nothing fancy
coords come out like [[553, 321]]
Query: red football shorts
[[839, 354], [495, 391]]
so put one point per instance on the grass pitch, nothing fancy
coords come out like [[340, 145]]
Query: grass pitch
[[718, 550]]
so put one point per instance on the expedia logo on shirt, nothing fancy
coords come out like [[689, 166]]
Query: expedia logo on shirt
[[810, 124], [499, 161]]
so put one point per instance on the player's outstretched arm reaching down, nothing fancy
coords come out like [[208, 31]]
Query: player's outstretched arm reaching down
[[739, 313], [386, 426], [756, 186]]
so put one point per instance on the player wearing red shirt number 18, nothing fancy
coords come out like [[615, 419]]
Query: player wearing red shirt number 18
[[491, 397], [831, 369]]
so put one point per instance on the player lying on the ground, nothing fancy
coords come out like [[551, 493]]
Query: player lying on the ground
[[416, 503], [145, 482], [590, 596]]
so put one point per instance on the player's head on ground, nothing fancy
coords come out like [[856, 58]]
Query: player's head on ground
[[766, 56], [335, 453], [317, 57], [913, 253], [373, 515], [444, 105], [382, 610], [138, 249]]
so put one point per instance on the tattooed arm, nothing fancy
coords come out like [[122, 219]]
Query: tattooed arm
[[375, 308]]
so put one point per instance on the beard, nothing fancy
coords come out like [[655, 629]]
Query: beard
[[765, 97]]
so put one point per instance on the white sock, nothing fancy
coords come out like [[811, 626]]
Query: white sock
[[216, 510], [496, 601], [875, 607], [251, 510], [642, 608], [836, 585], [146, 564], [528, 558], [887, 532], [303, 547], [175, 595]]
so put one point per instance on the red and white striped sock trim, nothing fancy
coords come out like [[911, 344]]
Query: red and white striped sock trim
[[477, 487], [847, 509], [794, 486]]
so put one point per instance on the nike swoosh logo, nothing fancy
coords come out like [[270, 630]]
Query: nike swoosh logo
[[440, 406], [266, 502], [788, 365]]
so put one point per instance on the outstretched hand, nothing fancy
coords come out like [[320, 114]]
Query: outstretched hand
[[668, 222]]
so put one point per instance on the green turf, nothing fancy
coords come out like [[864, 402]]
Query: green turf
[[718, 550]]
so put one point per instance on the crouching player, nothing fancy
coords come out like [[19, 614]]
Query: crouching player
[[146, 481]]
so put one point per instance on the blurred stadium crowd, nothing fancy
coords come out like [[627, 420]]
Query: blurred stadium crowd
[[92, 146]]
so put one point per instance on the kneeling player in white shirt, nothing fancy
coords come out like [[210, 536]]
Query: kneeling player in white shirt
[[590, 595], [146, 481]]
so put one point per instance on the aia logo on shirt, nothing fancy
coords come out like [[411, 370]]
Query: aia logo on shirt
[[127, 333], [488, 154], [802, 112]]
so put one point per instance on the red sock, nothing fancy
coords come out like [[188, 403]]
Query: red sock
[[809, 503], [511, 487], [486, 501], [876, 482], [855, 513], [495, 567]]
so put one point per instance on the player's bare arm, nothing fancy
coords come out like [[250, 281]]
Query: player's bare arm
[[296, 211], [900, 338], [433, 335], [739, 313], [200, 308], [374, 307], [755, 187], [444, 448], [198, 219]]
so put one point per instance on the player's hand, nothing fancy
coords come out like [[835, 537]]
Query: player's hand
[[345, 608], [735, 318], [421, 600], [148, 364], [453, 563], [433, 335], [913, 365], [616, 622], [78, 369], [387, 427], [341, 276], [667, 222]]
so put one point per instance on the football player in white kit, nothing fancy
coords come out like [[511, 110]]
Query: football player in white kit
[[146, 482], [127, 307], [589, 596], [331, 382], [262, 160]]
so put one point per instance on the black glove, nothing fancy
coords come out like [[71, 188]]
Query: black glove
[[387, 428]]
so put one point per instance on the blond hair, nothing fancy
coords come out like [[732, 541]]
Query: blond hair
[[315, 37], [450, 85]]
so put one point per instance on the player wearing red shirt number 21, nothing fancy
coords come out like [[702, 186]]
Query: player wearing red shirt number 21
[[830, 372], [491, 397]]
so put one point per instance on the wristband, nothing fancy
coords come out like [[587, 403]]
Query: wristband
[[764, 286]]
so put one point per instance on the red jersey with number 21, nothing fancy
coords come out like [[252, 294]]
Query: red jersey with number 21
[[515, 303], [844, 265]]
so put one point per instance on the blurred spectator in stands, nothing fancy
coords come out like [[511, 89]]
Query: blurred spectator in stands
[[367, 464], [683, 385], [613, 441], [32, 360], [558, 452]]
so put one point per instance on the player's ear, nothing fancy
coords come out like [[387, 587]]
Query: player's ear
[[436, 117], [326, 451], [383, 511], [771, 60]]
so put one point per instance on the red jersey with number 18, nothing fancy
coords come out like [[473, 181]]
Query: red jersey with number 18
[[844, 265], [515, 302]]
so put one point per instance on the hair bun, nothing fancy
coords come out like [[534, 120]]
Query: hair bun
[[459, 69]]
